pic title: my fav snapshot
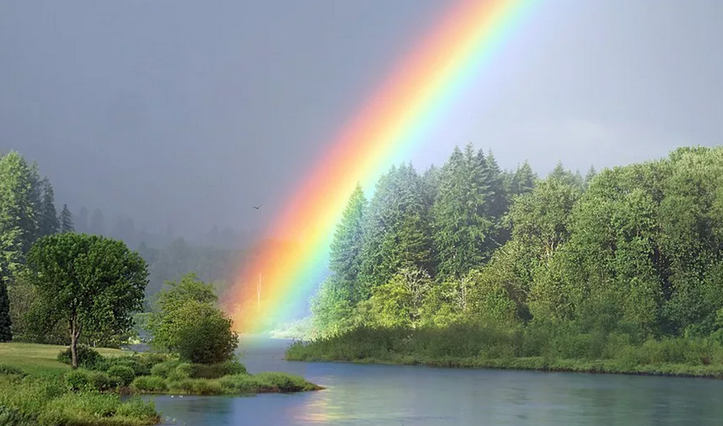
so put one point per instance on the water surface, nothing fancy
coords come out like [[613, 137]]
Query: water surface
[[421, 396]]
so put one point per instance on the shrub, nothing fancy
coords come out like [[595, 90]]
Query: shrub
[[77, 380], [164, 368], [96, 409], [149, 384], [283, 382], [10, 370], [100, 381], [212, 371], [87, 357], [123, 375]]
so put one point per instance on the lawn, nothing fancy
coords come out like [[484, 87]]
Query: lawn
[[40, 359]]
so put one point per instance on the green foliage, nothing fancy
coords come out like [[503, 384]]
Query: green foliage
[[462, 214], [10, 370], [189, 324], [396, 229], [87, 356], [149, 384], [576, 267], [88, 380], [89, 282], [122, 374], [163, 369]]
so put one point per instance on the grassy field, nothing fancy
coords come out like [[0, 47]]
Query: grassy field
[[40, 359]]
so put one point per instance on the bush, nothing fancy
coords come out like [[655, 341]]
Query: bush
[[97, 409], [212, 371], [163, 369], [283, 382], [87, 357], [83, 380], [122, 374], [198, 387], [9, 370], [149, 384]]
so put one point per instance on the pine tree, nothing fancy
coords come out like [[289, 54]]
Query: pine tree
[[345, 259], [66, 220], [461, 226], [48, 217], [590, 176], [396, 229], [497, 205], [5, 331], [18, 225], [523, 181]]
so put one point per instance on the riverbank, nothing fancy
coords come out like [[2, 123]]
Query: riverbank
[[475, 347], [36, 388]]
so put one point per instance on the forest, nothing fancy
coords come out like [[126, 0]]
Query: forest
[[488, 263]]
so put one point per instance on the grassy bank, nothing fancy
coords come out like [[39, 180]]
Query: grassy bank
[[542, 349], [36, 388]]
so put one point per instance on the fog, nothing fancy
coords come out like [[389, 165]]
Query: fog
[[182, 115]]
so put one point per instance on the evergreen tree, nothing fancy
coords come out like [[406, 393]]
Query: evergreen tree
[[523, 181], [48, 217], [66, 220], [17, 213], [461, 226], [590, 176], [396, 229], [5, 330], [567, 177], [97, 223], [345, 259], [497, 204]]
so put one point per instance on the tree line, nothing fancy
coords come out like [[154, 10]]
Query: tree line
[[633, 249]]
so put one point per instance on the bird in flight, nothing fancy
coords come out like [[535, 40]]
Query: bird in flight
[[257, 207]]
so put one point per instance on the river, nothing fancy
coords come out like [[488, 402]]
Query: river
[[382, 395]]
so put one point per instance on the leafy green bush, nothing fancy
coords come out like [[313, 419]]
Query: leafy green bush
[[283, 382], [149, 384], [87, 357], [8, 370], [163, 369], [122, 374], [198, 387], [83, 380], [212, 371]]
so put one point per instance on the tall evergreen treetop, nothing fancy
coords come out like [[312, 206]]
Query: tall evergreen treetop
[[396, 228], [345, 259], [48, 218], [461, 225], [66, 220]]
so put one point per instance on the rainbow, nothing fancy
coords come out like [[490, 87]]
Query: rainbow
[[276, 280]]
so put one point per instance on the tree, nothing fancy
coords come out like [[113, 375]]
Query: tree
[[66, 220], [345, 259], [92, 284], [461, 225], [5, 324], [17, 213], [396, 229], [399, 302], [187, 322], [48, 217]]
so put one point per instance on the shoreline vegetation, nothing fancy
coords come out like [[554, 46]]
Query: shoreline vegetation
[[534, 350], [38, 387]]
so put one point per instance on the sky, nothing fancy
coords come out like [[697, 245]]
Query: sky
[[187, 113]]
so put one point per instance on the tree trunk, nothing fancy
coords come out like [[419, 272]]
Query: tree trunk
[[74, 332]]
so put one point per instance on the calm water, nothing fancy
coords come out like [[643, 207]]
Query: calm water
[[420, 396]]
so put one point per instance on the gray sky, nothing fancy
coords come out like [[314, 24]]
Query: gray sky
[[187, 112]]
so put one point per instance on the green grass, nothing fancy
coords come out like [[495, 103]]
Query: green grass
[[544, 349], [40, 359]]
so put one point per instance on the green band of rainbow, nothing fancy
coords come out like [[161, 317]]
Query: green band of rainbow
[[383, 133]]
